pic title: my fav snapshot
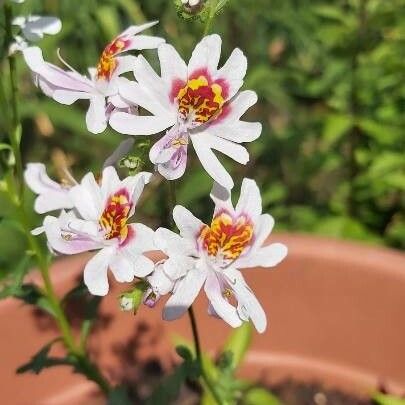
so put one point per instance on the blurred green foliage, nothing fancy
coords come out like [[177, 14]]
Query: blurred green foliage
[[330, 76]]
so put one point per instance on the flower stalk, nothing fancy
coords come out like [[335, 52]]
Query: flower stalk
[[15, 187]]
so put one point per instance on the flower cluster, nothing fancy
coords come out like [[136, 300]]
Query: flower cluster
[[195, 102]]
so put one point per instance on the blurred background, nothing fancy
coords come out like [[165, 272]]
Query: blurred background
[[330, 76]]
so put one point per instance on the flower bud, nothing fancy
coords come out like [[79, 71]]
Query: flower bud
[[131, 300]]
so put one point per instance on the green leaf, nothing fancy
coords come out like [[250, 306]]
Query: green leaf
[[260, 396], [336, 126], [184, 352], [383, 399], [41, 360], [238, 343], [32, 295]]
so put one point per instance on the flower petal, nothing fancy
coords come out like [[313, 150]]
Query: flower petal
[[122, 268], [211, 163], [95, 272], [222, 307], [142, 241], [222, 198], [172, 66], [267, 256], [185, 293], [129, 124], [37, 179], [160, 283], [206, 55], [173, 244], [248, 305], [250, 201], [233, 71], [140, 42], [189, 225], [96, 119]]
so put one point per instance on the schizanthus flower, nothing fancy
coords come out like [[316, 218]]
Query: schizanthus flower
[[212, 256], [99, 221], [197, 102], [101, 88]]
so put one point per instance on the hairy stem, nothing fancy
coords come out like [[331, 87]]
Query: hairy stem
[[212, 4], [15, 187]]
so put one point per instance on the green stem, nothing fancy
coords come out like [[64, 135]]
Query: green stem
[[88, 368], [212, 4], [193, 322]]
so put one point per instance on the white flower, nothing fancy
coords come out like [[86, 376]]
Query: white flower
[[101, 224], [101, 89], [211, 256], [33, 28], [51, 195], [198, 102]]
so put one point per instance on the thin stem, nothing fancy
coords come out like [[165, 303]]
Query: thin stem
[[193, 321], [88, 368], [212, 4]]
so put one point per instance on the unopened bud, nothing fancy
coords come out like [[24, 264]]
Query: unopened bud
[[131, 300]]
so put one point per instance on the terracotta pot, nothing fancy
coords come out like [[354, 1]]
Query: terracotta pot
[[335, 310]]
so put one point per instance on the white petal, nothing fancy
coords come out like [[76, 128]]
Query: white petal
[[53, 200], [129, 124], [143, 266], [159, 282], [68, 97], [206, 55], [125, 64], [189, 225], [236, 131], [110, 183], [136, 29], [221, 197], [122, 268], [172, 66], [233, 150], [135, 185], [140, 42], [173, 244], [267, 256], [136, 94], [37, 179], [233, 71], [250, 201], [142, 241], [222, 307], [211, 163], [95, 272], [185, 293], [240, 104], [87, 198], [96, 119], [176, 267], [248, 305]]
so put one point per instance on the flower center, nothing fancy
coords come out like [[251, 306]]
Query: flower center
[[114, 218], [227, 236], [200, 99], [108, 63]]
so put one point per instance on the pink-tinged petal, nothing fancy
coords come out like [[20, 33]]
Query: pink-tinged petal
[[87, 198], [185, 293], [233, 72], [140, 42], [206, 55], [250, 200], [96, 119], [62, 241], [139, 125], [188, 225], [267, 256], [233, 150], [222, 198], [122, 268], [248, 305], [211, 163], [173, 244], [151, 82], [95, 272], [172, 66], [136, 94], [54, 75], [221, 306]]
